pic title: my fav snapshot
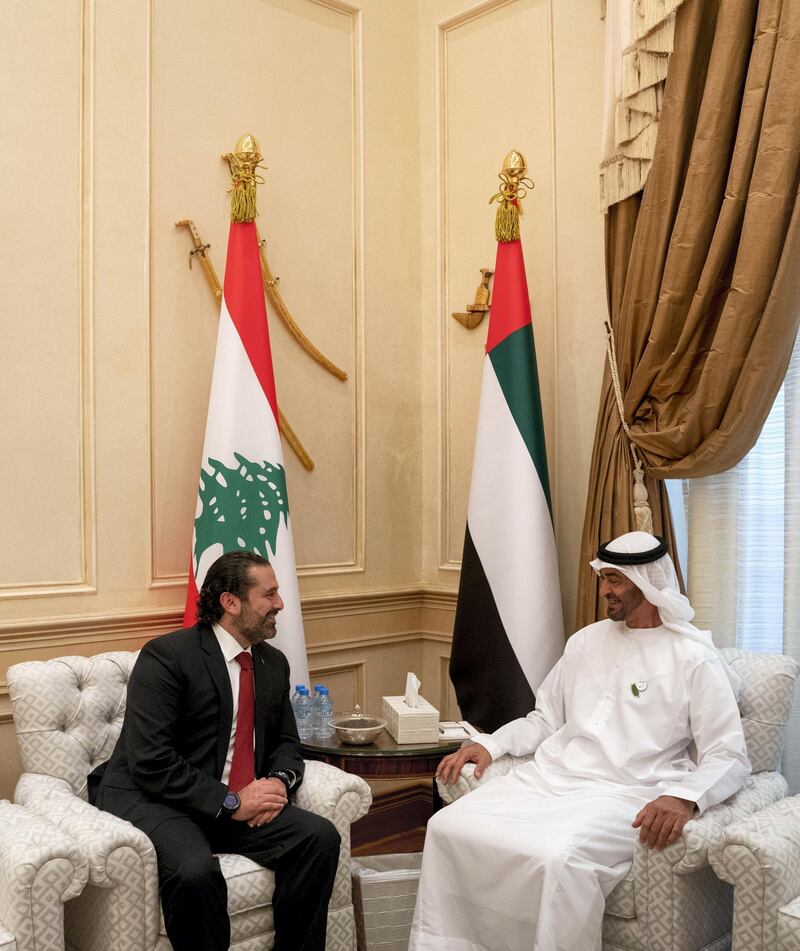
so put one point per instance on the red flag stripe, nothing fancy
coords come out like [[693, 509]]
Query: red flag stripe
[[190, 611], [511, 307], [244, 296]]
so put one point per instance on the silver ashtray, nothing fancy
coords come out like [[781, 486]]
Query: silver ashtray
[[356, 729]]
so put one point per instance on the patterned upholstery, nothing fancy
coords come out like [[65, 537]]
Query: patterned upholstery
[[760, 856], [68, 714], [789, 926], [672, 899], [764, 702], [40, 869]]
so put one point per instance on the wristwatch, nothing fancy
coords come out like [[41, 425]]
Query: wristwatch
[[230, 803], [283, 776]]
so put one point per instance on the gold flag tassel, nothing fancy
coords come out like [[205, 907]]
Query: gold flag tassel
[[642, 514], [514, 186], [243, 163]]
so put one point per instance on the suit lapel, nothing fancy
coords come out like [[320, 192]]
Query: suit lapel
[[261, 675], [218, 671]]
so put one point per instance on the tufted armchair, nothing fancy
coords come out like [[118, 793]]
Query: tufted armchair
[[760, 857], [68, 714], [671, 900], [40, 869]]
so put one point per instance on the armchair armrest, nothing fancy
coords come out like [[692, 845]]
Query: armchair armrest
[[758, 791], [40, 869], [342, 798], [466, 781], [761, 853], [121, 859], [334, 794], [99, 834]]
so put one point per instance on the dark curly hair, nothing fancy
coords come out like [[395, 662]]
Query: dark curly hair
[[230, 572]]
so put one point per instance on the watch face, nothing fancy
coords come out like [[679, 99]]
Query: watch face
[[231, 802]]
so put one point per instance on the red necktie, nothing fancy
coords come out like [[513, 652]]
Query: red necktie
[[243, 765]]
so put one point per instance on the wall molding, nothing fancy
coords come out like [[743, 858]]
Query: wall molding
[[355, 565], [44, 632], [87, 518], [71, 635], [358, 669]]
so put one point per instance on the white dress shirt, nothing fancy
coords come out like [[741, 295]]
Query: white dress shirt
[[231, 648]]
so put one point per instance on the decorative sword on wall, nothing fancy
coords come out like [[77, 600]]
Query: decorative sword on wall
[[247, 153]]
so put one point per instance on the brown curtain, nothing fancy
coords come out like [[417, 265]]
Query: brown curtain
[[703, 271]]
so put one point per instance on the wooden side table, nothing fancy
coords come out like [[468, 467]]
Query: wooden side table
[[397, 818]]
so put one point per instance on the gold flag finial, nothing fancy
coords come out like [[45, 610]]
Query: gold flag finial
[[514, 186], [514, 164], [243, 162]]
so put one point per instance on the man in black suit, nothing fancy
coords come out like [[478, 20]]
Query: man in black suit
[[208, 758]]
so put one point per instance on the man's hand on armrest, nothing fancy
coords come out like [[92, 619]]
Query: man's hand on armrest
[[662, 821], [450, 767]]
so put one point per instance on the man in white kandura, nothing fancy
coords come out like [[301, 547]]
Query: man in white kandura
[[525, 862]]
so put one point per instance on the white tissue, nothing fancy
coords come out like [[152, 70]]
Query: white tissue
[[412, 690]]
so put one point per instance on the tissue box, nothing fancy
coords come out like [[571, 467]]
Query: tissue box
[[411, 724]]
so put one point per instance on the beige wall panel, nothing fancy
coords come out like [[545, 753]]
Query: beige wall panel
[[10, 764], [392, 303], [45, 503], [548, 75], [484, 113], [581, 302], [289, 73], [365, 674], [345, 680]]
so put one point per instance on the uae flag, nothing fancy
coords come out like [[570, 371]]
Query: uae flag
[[242, 502], [508, 630]]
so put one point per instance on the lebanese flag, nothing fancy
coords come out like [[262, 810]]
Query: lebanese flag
[[242, 502], [508, 629]]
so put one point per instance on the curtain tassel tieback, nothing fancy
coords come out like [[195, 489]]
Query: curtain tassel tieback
[[642, 514]]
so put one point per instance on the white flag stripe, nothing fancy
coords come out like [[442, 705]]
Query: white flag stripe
[[240, 420], [239, 416], [510, 525]]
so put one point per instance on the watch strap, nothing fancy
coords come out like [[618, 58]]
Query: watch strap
[[284, 777]]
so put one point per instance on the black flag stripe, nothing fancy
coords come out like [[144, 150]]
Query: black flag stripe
[[490, 685]]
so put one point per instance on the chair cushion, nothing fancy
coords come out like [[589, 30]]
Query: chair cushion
[[250, 889], [764, 702]]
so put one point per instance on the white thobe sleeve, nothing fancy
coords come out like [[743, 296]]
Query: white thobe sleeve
[[722, 763], [523, 736]]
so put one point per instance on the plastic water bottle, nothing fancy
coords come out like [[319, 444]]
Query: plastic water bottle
[[295, 695], [302, 712], [315, 703], [323, 714]]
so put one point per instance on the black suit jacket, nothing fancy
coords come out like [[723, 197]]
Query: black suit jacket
[[171, 752]]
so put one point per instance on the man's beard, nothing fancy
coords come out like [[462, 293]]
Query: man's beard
[[255, 628], [625, 605]]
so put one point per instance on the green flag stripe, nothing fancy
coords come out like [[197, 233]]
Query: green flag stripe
[[514, 362]]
